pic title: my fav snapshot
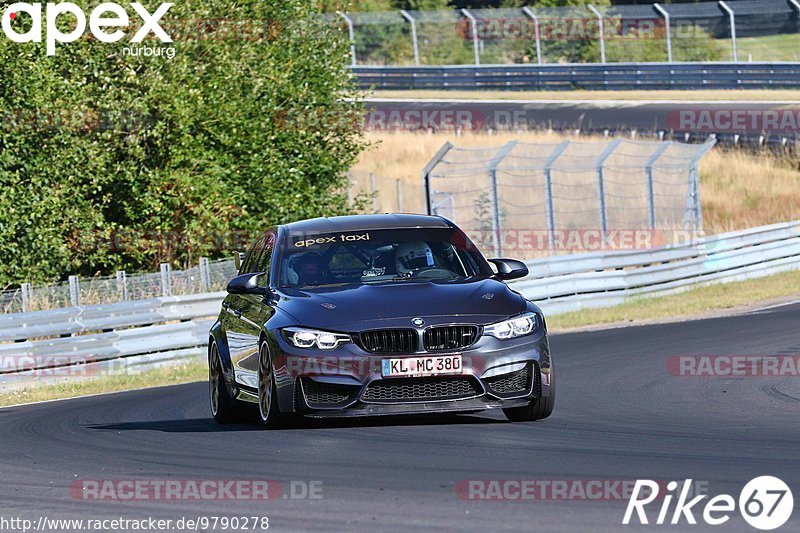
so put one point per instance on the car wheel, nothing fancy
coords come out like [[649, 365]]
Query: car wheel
[[223, 407], [267, 395], [538, 409]]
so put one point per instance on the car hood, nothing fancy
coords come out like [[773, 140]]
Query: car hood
[[360, 307]]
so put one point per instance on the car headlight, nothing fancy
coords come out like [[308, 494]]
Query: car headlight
[[513, 327], [311, 338]]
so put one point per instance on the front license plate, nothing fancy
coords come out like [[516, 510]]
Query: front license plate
[[421, 366]]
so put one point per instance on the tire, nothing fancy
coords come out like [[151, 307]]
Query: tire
[[224, 409], [538, 409], [268, 410]]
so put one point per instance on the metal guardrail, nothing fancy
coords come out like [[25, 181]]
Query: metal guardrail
[[152, 332], [590, 76]]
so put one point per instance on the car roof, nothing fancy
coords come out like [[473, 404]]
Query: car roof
[[367, 222]]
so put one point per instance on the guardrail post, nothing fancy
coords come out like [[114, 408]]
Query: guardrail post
[[166, 279], [602, 32], [601, 188], [732, 19], [25, 289], [205, 275], [413, 22], [495, 196], [75, 291], [651, 201], [373, 192], [426, 173], [122, 286], [537, 35], [352, 34], [474, 25], [548, 189], [665, 14]]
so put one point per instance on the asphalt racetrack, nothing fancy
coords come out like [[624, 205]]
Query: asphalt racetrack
[[620, 415]]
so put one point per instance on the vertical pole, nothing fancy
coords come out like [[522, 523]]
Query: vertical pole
[[665, 14], [548, 187], [694, 177], [26, 297], [602, 32], [475, 45], [495, 196], [426, 174], [349, 192], [205, 277], [75, 291], [732, 19], [399, 196], [651, 200], [413, 34], [537, 35], [122, 286], [372, 192], [352, 37], [166, 279], [601, 187]]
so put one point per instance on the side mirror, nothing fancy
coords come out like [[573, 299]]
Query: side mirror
[[246, 284], [509, 268]]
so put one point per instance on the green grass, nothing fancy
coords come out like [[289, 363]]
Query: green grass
[[782, 47], [695, 302], [172, 375]]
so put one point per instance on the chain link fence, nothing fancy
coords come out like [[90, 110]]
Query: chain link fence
[[535, 199], [206, 277], [746, 30]]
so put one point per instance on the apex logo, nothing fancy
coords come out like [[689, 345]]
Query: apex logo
[[106, 15]]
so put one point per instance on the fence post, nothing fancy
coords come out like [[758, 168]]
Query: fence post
[[602, 32], [548, 189], [75, 291], [651, 200], [205, 275], [694, 183], [399, 196], [413, 34], [732, 19], [474, 25], [25, 289], [426, 173], [352, 37], [122, 285], [665, 14], [528, 11], [166, 279], [601, 188], [495, 196]]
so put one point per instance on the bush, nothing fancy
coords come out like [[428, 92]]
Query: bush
[[95, 142]]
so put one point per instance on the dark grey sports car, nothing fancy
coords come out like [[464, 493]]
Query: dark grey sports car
[[377, 315]]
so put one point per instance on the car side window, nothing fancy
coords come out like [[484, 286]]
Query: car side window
[[265, 260], [251, 257]]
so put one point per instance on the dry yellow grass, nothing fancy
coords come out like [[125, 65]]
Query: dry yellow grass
[[739, 189]]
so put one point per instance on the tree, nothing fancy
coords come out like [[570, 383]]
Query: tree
[[252, 122]]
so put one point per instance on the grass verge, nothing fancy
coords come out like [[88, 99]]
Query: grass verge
[[172, 375], [699, 302], [704, 96]]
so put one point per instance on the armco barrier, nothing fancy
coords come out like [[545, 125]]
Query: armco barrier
[[589, 76], [151, 332]]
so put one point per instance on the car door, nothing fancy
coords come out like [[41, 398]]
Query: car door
[[238, 332], [255, 308]]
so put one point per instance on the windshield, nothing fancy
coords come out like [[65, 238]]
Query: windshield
[[381, 256]]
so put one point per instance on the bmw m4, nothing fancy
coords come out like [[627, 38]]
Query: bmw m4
[[376, 315]]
